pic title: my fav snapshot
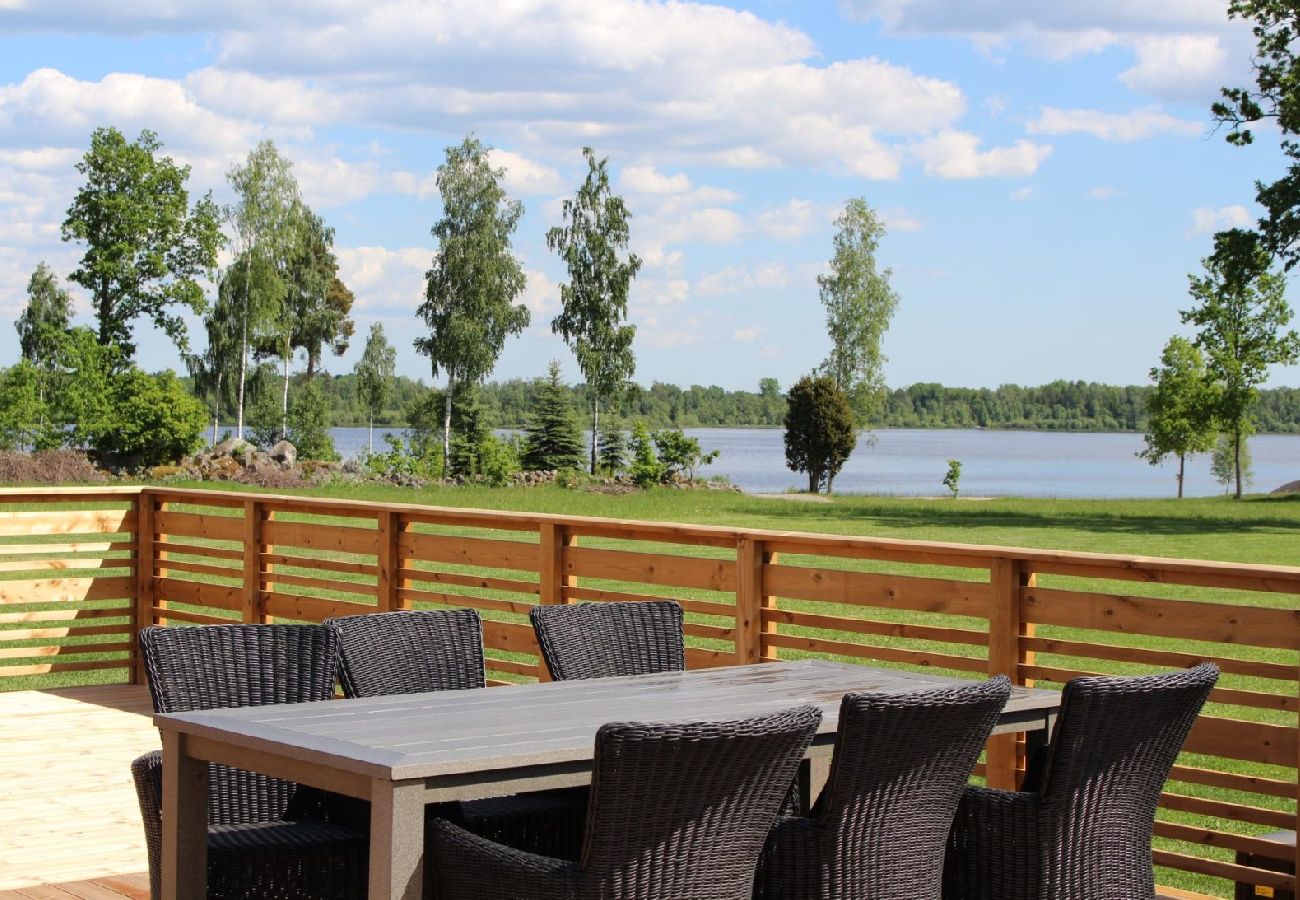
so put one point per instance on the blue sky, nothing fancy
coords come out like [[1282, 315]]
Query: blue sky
[[1048, 172]]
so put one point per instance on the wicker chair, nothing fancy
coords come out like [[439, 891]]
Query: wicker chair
[[265, 837], [1082, 828], [879, 829], [600, 640], [677, 811], [442, 650]]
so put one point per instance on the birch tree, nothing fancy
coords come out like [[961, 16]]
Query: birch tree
[[375, 372], [593, 242], [470, 289]]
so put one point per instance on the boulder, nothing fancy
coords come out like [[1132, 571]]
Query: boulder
[[232, 446], [284, 453]]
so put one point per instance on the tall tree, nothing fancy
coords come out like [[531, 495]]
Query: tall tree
[[320, 302], [859, 306], [215, 371], [1180, 408], [43, 323], [593, 242], [263, 221], [375, 372], [551, 436], [1274, 99], [470, 289], [819, 431], [1240, 313], [146, 246]]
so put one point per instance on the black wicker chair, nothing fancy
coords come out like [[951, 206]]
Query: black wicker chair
[[601, 640], [678, 812], [1082, 828], [879, 829], [266, 837], [442, 650]]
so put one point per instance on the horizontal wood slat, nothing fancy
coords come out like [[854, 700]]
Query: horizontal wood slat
[[1253, 741], [867, 626], [484, 552], [52, 522], [1233, 781], [66, 590], [197, 593], [1230, 871], [876, 652], [1160, 658], [471, 581], [199, 525], [1221, 809], [334, 538], [311, 609], [649, 568], [1254, 699], [410, 596], [936, 595], [698, 607]]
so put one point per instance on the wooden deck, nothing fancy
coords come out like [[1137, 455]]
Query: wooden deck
[[68, 810], [113, 887]]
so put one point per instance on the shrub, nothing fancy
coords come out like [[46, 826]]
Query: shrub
[[646, 469], [612, 447], [819, 433], [25, 417], [151, 420], [679, 454], [309, 424]]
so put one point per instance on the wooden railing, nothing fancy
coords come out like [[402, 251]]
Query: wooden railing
[[83, 569]]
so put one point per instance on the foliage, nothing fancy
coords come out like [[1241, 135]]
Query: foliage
[[952, 479], [263, 218], [1181, 408], [44, 320], [679, 454], [1241, 312], [496, 460], [612, 449], [374, 373], [552, 440], [406, 459], [309, 424], [593, 242], [859, 305], [1224, 462], [146, 247], [819, 430], [1276, 99], [470, 430], [25, 421], [319, 305], [645, 469], [471, 287]]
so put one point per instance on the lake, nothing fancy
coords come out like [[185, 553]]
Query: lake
[[912, 462]]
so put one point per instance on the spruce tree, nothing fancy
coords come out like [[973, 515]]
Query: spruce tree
[[612, 447], [552, 439]]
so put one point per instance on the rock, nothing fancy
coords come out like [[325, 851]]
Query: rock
[[1291, 487], [232, 446], [354, 466], [284, 453]]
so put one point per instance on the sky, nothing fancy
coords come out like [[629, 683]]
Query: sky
[[1049, 173]]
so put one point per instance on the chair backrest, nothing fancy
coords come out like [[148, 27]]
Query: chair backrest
[[410, 652], [1114, 744], [221, 666], [601, 640], [682, 810], [901, 763]]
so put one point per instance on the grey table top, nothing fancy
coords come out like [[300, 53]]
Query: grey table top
[[457, 732]]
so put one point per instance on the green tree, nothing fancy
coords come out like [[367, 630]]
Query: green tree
[[24, 415], [646, 469], [593, 242], [1231, 462], [263, 219], [1181, 408], [613, 447], [215, 372], [1241, 312], [375, 372], [470, 289], [859, 306], [552, 439], [680, 454], [146, 246], [819, 430], [309, 423], [1274, 99], [952, 479], [320, 302], [43, 323]]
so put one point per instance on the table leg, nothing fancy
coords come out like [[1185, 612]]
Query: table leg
[[1038, 738], [397, 840], [184, 822]]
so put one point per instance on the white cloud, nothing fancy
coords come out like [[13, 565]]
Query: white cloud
[[1021, 194], [526, 176], [1135, 125], [743, 280], [792, 220], [542, 297], [1103, 192], [1208, 219], [746, 335], [1189, 67], [957, 154], [649, 180], [385, 279], [898, 219]]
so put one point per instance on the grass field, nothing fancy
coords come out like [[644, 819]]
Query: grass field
[[1256, 530]]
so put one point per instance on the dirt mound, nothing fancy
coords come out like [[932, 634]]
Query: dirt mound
[[1291, 487]]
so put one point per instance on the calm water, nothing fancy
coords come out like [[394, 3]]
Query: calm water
[[994, 463]]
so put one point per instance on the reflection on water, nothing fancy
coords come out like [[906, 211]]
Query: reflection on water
[[912, 462]]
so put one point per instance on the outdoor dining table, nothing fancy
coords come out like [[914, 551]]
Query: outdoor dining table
[[401, 752]]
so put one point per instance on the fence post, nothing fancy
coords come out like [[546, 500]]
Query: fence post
[[256, 569], [551, 578], [389, 581], [751, 600], [144, 584], [1007, 578]]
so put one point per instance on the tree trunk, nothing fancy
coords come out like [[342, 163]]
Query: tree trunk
[[284, 402], [830, 483], [370, 438], [1236, 458], [446, 427], [814, 481], [1182, 468], [595, 426], [312, 362], [243, 353]]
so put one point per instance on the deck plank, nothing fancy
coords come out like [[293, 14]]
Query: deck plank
[[67, 802]]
